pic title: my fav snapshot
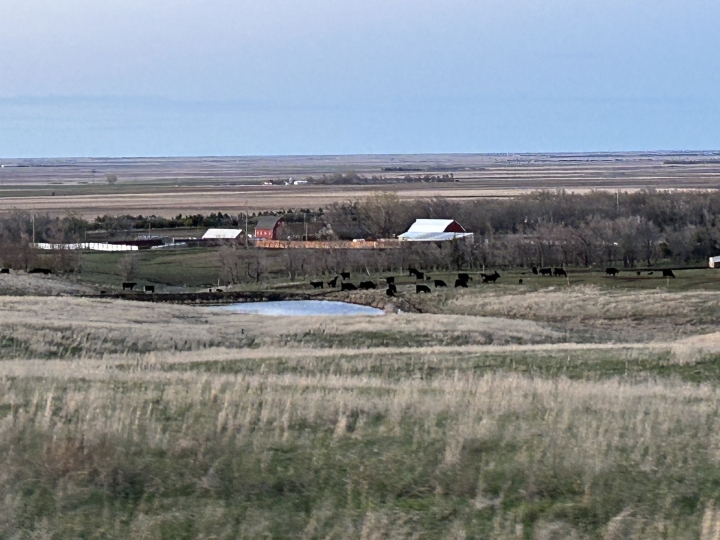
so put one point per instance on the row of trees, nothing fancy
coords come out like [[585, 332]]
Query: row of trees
[[556, 228], [543, 228]]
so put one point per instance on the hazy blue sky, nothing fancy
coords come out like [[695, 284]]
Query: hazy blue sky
[[229, 77]]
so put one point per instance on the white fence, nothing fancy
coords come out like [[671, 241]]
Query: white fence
[[95, 246]]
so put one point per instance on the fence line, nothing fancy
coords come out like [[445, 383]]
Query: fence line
[[95, 246]]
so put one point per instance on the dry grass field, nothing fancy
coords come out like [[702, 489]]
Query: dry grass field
[[168, 186], [499, 416]]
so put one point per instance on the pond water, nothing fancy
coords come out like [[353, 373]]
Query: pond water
[[301, 308]]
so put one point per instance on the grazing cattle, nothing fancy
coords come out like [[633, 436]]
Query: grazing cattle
[[317, 284], [218, 290], [345, 275], [461, 283], [347, 287], [546, 271], [103, 292], [650, 273], [440, 283], [412, 271], [365, 285], [4, 270], [419, 275], [392, 287], [149, 288], [464, 277], [612, 272], [45, 271], [333, 282], [520, 281], [534, 270], [128, 285], [389, 280], [668, 273], [490, 278], [422, 289], [559, 272], [428, 278], [390, 292], [638, 272]]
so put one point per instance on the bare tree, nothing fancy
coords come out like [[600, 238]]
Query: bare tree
[[127, 264]]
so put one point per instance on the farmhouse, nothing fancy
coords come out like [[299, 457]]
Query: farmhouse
[[267, 227], [434, 230], [715, 262]]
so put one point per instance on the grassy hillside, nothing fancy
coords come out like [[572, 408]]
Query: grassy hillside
[[501, 421]]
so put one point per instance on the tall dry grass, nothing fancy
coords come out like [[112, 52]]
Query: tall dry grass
[[289, 436]]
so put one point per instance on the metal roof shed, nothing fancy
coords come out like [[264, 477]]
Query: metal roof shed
[[222, 234], [434, 230]]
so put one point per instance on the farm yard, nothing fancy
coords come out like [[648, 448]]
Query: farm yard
[[543, 378]]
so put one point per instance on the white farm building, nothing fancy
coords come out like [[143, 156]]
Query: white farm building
[[434, 230], [222, 234]]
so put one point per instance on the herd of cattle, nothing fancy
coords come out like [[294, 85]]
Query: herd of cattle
[[421, 280], [462, 280]]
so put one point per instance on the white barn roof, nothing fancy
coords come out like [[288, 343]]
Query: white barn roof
[[430, 225], [226, 234], [434, 230]]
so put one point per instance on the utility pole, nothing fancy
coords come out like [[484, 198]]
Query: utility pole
[[247, 234], [33, 227]]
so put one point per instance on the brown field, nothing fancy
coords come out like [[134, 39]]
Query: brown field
[[168, 186]]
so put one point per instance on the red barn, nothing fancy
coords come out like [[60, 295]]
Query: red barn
[[267, 227]]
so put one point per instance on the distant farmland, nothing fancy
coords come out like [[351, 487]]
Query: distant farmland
[[168, 186]]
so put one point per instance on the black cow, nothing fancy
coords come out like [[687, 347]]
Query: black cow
[[347, 287], [333, 282], [422, 289], [390, 279], [45, 271], [559, 272], [440, 283], [128, 285], [419, 275], [345, 275], [218, 290], [412, 271], [520, 281], [464, 277], [4, 270], [390, 292], [546, 271], [103, 292], [392, 287], [149, 288], [668, 273], [612, 272], [317, 284], [639, 272], [461, 283], [650, 273], [534, 270], [366, 285], [490, 278]]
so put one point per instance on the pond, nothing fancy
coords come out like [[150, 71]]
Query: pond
[[301, 308]]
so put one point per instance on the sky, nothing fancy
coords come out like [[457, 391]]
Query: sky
[[278, 77]]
